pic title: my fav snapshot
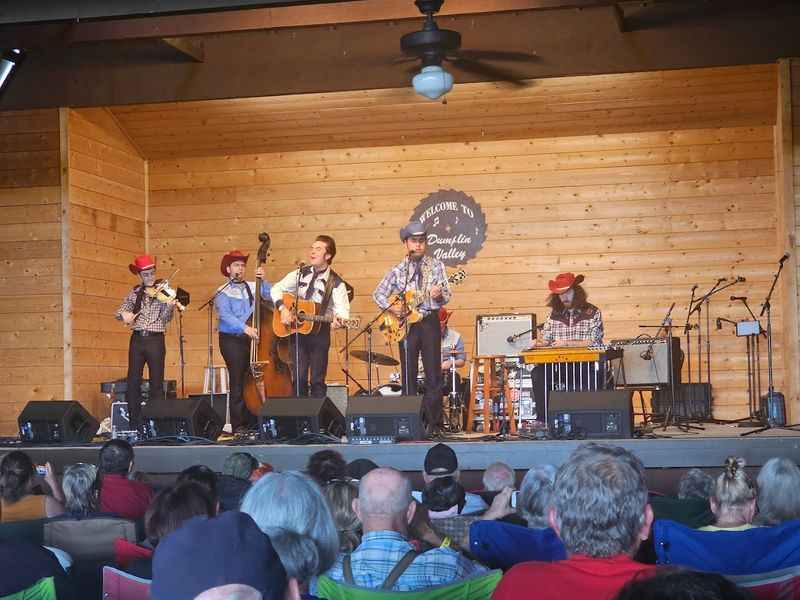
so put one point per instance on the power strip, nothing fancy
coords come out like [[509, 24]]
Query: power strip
[[371, 439]]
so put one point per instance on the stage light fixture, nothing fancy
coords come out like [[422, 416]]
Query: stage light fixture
[[9, 60]]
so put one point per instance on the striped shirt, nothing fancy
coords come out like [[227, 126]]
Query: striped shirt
[[418, 275], [153, 316]]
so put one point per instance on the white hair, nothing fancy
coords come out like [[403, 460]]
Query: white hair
[[497, 476]]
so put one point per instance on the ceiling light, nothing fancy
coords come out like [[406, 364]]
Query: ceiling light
[[432, 82], [9, 60]]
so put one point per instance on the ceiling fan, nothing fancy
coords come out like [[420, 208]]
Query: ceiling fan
[[432, 46]]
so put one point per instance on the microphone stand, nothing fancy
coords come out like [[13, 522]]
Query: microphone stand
[[297, 333], [210, 365]]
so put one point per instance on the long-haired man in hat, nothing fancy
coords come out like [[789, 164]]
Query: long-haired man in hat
[[147, 318], [573, 321], [234, 304], [425, 275], [315, 281]]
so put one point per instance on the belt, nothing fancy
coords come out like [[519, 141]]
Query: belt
[[145, 333], [235, 335]]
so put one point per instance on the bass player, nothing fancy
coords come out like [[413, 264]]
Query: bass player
[[426, 278], [318, 282]]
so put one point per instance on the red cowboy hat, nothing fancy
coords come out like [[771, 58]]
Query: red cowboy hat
[[142, 263], [229, 258], [563, 282]]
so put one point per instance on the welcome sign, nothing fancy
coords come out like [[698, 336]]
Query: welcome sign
[[456, 226]]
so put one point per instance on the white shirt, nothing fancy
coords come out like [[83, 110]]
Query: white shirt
[[338, 306]]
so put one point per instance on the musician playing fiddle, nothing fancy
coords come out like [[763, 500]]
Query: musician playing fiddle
[[147, 316], [573, 321], [235, 304]]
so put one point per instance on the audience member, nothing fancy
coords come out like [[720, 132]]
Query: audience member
[[233, 591], [17, 502], [340, 496], [385, 508], [325, 466], [356, 469], [733, 499], [497, 476], [80, 489], [292, 502], [441, 461], [443, 497], [204, 476], [679, 584], [261, 470], [778, 492], [24, 564], [120, 495], [205, 553], [234, 481], [600, 512], [695, 483], [535, 493]]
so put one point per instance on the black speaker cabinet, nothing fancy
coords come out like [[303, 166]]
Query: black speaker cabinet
[[219, 402], [55, 421], [692, 400], [185, 417], [291, 417], [599, 414], [381, 418]]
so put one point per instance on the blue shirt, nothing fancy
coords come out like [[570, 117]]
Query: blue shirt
[[380, 551], [233, 305]]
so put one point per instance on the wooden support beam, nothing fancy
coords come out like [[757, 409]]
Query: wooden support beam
[[189, 48]]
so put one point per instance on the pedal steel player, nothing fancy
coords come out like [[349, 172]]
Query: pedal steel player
[[317, 282], [573, 321], [147, 317]]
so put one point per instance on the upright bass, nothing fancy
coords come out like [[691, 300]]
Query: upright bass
[[270, 371]]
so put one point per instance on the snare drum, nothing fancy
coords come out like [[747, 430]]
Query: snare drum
[[389, 389]]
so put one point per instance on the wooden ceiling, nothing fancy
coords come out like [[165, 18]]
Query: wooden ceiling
[[743, 96]]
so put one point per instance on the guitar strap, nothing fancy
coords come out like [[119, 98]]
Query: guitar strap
[[332, 282]]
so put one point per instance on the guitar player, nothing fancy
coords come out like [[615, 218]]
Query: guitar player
[[315, 281], [426, 276]]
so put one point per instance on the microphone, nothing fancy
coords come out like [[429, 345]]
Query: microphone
[[740, 279], [299, 264], [719, 322], [721, 279], [742, 298], [647, 354], [784, 258], [511, 339], [694, 287]]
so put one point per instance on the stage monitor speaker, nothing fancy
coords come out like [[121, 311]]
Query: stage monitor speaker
[[647, 364], [191, 417], [505, 334], [291, 417], [384, 418], [55, 421], [692, 400], [219, 402], [597, 414]]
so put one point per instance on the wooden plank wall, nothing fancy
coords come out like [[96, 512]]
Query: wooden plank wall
[[107, 227], [30, 262], [644, 213]]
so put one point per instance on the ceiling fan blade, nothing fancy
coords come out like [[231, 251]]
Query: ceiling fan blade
[[494, 73], [500, 55]]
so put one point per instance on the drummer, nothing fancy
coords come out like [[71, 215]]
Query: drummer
[[452, 342]]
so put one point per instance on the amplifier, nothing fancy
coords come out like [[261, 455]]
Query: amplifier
[[504, 334], [383, 418], [596, 414], [646, 360]]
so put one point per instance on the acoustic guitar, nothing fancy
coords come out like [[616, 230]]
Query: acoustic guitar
[[308, 318], [393, 327]]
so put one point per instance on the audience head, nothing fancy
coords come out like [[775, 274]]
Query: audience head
[[16, 476], [535, 494], [232, 591], [384, 501], [116, 457], [80, 488], [497, 476], [733, 499], [340, 495], [695, 483], [599, 506], [440, 461], [679, 584], [240, 465], [261, 470], [210, 552], [326, 465], [778, 491], [356, 469], [174, 505], [204, 476], [444, 497], [291, 502]]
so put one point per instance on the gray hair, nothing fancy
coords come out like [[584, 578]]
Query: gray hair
[[600, 496], [80, 488], [695, 483], [384, 500], [535, 494], [778, 491], [298, 553], [291, 501], [497, 476]]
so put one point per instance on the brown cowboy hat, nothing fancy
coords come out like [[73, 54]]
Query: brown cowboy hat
[[142, 263], [563, 282], [231, 257]]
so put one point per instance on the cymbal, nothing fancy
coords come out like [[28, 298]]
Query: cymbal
[[377, 358]]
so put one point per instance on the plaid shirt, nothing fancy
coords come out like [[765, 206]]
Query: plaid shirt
[[380, 551], [574, 324], [417, 275], [154, 315]]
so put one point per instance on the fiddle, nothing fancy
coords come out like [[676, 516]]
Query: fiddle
[[164, 293]]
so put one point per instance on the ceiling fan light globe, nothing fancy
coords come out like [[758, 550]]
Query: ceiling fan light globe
[[432, 82]]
